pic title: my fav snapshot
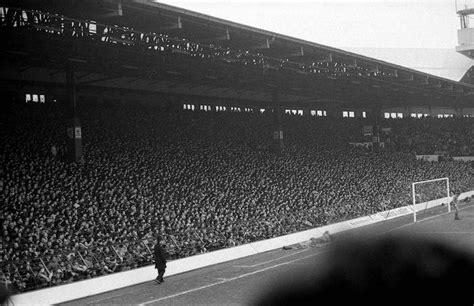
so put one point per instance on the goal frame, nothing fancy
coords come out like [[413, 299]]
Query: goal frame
[[413, 185]]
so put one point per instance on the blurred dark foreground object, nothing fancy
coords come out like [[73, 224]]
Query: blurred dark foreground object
[[4, 295], [392, 270]]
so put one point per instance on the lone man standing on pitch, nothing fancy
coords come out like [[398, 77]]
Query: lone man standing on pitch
[[160, 260], [455, 202]]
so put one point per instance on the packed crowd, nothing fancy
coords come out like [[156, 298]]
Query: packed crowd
[[453, 136], [201, 180]]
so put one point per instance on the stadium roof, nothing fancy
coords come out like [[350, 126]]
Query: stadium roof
[[299, 70], [469, 76], [444, 63]]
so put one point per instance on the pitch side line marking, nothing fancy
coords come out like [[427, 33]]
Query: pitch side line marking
[[450, 233], [271, 267], [298, 263], [272, 260], [106, 298], [227, 280], [282, 264], [429, 218]]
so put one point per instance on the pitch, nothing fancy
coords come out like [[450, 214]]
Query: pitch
[[243, 281]]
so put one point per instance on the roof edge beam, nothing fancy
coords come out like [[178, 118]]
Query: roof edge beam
[[410, 78], [298, 53], [266, 45], [327, 59], [178, 25], [224, 37]]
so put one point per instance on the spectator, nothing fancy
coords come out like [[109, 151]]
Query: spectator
[[204, 180]]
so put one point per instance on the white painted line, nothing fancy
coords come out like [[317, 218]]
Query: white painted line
[[396, 228], [221, 278], [106, 298], [299, 263], [271, 267], [450, 233], [272, 260], [228, 280], [423, 220]]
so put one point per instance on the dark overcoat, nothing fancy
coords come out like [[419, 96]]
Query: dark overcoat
[[160, 257]]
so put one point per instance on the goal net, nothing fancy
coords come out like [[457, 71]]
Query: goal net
[[430, 194]]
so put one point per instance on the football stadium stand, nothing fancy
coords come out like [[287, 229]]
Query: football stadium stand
[[209, 133]]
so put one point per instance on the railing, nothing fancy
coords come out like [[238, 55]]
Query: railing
[[53, 24]]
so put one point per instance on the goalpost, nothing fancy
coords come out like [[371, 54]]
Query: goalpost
[[429, 191]]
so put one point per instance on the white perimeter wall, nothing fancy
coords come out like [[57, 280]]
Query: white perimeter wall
[[114, 281]]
